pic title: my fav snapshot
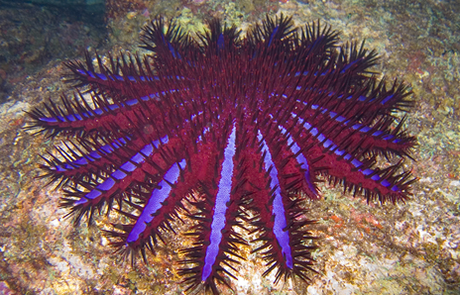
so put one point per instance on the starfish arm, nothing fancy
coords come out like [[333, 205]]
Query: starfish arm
[[89, 195], [352, 135], [157, 209], [215, 247], [275, 204], [356, 175], [86, 158]]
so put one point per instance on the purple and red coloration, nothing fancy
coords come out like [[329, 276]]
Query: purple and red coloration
[[242, 128]]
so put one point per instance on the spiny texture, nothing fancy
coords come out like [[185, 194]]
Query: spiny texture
[[241, 128]]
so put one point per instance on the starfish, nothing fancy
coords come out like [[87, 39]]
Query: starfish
[[230, 131]]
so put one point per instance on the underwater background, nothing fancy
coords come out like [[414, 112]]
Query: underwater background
[[403, 248]]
